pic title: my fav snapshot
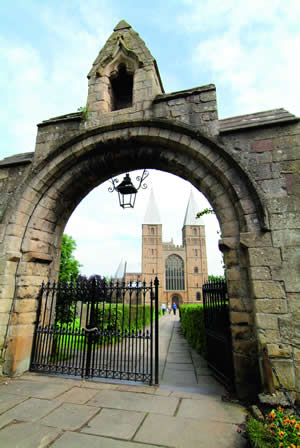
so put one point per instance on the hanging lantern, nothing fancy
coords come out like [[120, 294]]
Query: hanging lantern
[[126, 190]]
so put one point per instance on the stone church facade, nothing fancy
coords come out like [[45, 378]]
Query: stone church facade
[[181, 269], [247, 167]]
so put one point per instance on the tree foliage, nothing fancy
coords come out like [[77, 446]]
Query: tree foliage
[[69, 267], [205, 211]]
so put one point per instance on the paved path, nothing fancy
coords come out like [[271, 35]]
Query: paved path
[[186, 411]]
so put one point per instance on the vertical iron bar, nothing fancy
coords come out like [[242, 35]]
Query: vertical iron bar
[[156, 372]]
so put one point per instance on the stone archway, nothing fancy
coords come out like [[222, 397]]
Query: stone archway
[[245, 166], [59, 183]]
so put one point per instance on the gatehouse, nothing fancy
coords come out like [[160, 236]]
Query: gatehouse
[[247, 167]]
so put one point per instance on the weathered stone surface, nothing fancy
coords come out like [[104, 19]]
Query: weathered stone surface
[[290, 329], [267, 256], [270, 306], [267, 290], [279, 350], [286, 373], [267, 321]]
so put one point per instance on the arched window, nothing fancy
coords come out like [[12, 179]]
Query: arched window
[[198, 296], [174, 273], [122, 88], [152, 230], [195, 270], [195, 232]]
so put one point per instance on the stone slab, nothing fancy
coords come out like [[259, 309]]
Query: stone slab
[[181, 432], [79, 440], [179, 358], [179, 377], [5, 420], [27, 435], [135, 402], [70, 416], [9, 400], [180, 366], [115, 423], [32, 409], [211, 410], [78, 395], [36, 389]]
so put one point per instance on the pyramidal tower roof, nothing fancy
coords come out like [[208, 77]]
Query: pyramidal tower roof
[[121, 271], [191, 212], [152, 214], [129, 40]]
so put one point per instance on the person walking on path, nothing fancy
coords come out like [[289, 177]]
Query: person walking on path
[[174, 306], [163, 308]]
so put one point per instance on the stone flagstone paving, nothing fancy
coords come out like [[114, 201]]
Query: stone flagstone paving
[[185, 411]]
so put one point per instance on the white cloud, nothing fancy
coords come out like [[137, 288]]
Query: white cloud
[[250, 50]]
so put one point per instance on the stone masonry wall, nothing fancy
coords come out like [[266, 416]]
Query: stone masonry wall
[[272, 157]]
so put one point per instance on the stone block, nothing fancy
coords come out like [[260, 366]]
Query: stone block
[[274, 187], [264, 256], [21, 331], [289, 326], [28, 292], [268, 336], [266, 321], [241, 332], [23, 318], [287, 237], [260, 273], [255, 239], [5, 305], [262, 145], [208, 96], [267, 290], [279, 350], [247, 347], [282, 221], [263, 171], [241, 318], [8, 267], [293, 301], [270, 306], [25, 305], [286, 373]]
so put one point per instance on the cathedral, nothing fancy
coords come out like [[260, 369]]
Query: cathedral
[[181, 270]]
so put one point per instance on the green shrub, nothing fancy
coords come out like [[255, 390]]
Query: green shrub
[[192, 326]]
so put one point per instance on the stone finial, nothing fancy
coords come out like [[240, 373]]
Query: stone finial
[[122, 25]]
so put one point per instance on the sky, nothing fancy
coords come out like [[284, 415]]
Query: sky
[[249, 50]]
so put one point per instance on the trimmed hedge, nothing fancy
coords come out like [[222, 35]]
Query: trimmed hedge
[[192, 326]]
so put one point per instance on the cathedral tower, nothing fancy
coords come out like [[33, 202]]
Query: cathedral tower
[[152, 242]]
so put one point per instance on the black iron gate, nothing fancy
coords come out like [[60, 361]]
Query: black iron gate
[[91, 328], [217, 331]]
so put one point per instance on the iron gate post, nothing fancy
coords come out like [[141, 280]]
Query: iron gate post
[[156, 344]]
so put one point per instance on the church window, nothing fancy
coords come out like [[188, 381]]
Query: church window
[[174, 273], [152, 230], [152, 251], [195, 270], [122, 88], [195, 231], [196, 252], [152, 240], [198, 296]]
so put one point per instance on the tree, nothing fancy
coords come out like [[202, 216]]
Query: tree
[[69, 267]]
